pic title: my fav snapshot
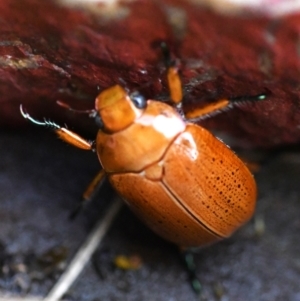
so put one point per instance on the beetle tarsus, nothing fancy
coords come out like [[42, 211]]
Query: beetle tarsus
[[62, 132], [46, 123], [220, 106], [189, 262], [74, 213], [236, 101]]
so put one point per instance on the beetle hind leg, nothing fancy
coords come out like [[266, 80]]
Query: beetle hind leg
[[190, 266]]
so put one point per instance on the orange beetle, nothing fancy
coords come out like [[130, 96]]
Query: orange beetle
[[184, 183]]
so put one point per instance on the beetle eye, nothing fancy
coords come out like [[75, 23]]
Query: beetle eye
[[138, 100], [99, 121]]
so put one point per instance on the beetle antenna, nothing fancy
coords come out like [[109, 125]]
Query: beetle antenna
[[68, 107], [46, 123]]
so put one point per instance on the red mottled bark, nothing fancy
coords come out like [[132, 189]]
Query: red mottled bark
[[49, 51]]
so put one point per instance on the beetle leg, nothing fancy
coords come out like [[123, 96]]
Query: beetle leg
[[175, 85], [74, 139], [62, 132], [176, 94], [174, 81], [90, 192], [188, 259], [219, 106], [208, 110], [94, 185]]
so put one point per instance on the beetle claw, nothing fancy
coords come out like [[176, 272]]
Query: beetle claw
[[24, 113], [43, 123]]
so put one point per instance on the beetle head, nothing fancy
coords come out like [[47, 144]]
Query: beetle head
[[117, 109]]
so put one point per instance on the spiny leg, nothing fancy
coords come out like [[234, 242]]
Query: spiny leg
[[79, 142], [62, 132], [209, 110], [220, 106]]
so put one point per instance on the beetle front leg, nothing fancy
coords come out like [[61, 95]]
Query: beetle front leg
[[62, 132]]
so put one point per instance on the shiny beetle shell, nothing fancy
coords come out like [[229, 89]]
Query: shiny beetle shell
[[184, 183]]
